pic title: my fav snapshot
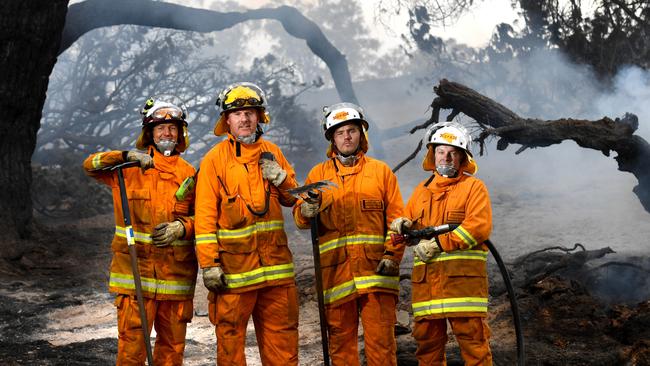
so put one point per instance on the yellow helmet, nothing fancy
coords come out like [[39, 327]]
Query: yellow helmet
[[163, 108], [448, 133], [239, 96]]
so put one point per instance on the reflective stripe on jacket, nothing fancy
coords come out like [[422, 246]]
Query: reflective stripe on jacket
[[453, 283], [353, 227], [167, 273], [252, 249]]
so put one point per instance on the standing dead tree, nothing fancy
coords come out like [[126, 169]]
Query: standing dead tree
[[494, 119]]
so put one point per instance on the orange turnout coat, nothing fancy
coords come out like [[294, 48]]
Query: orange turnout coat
[[353, 227], [454, 283], [251, 249], [167, 273]]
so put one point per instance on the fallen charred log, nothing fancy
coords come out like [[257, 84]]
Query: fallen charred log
[[494, 119]]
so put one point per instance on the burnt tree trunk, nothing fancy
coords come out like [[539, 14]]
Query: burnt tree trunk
[[605, 134], [31, 33]]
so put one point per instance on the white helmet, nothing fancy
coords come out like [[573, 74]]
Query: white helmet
[[340, 113], [453, 134], [163, 108]]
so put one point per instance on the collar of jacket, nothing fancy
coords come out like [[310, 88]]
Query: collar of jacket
[[245, 153], [440, 182], [163, 163], [342, 170]]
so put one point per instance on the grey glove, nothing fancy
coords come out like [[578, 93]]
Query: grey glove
[[272, 171], [399, 224], [427, 249], [309, 209], [214, 279], [165, 233], [388, 267], [145, 160]]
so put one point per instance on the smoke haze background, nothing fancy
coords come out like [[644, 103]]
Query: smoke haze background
[[558, 195]]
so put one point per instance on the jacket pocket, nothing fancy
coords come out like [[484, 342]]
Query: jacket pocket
[[419, 273], [245, 246], [184, 253], [374, 252], [333, 257], [455, 216], [371, 205], [140, 207], [233, 212], [120, 245], [476, 269], [181, 208]]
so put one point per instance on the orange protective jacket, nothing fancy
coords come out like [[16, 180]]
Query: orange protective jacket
[[454, 283], [251, 249], [167, 273], [353, 227]]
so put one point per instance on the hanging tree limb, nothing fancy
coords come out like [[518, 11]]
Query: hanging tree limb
[[494, 119]]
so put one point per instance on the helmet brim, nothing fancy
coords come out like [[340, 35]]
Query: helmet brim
[[360, 122]]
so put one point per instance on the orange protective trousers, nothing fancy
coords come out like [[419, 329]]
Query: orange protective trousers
[[377, 311], [170, 320], [472, 334], [275, 316]]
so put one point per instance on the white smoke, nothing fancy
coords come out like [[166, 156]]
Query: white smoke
[[630, 93]]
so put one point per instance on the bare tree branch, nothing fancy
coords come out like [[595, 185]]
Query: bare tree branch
[[605, 134]]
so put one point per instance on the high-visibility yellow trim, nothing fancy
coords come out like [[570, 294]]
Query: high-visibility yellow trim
[[391, 282], [97, 161], [153, 285], [478, 255], [247, 231], [348, 288], [465, 236], [262, 274], [351, 240], [202, 239], [338, 292], [145, 238], [451, 305]]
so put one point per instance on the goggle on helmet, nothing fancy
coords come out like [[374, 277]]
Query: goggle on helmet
[[340, 113], [239, 96], [163, 108], [452, 134]]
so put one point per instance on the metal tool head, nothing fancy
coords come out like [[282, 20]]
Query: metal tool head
[[310, 191]]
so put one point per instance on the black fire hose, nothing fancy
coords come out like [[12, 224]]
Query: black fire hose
[[432, 231], [130, 239]]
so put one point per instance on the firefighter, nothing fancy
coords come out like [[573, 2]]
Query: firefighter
[[360, 263], [240, 238], [449, 272], [163, 228]]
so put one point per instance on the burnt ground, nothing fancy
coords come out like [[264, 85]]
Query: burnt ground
[[578, 307], [54, 309]]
